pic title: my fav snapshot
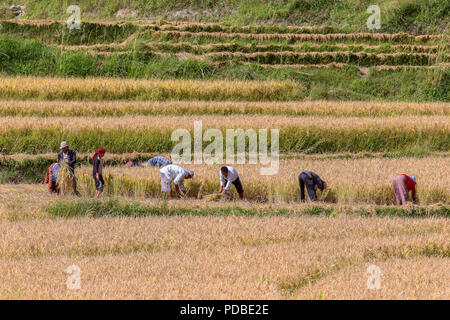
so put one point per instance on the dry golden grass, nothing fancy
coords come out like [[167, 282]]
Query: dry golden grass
[[400, 279], [353, 181], [317, 108], [406, 123], [42, 88], [24, 201], [224, 258], [29, 202]]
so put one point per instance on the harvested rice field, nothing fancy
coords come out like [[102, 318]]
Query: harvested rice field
[[355, 107]]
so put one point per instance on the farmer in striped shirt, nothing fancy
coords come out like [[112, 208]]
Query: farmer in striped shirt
[[159, 161]]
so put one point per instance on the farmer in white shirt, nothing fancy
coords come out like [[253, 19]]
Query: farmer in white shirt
[[229, 176], [176, 174]]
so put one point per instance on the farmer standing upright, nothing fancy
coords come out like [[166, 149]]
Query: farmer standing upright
[[97, 171], [403, 184], [69, 157]]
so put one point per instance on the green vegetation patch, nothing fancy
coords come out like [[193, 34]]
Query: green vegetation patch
[[291, 139], [114, 207]]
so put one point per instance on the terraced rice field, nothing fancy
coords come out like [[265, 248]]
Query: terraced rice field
[[134, 244], [264, 46]]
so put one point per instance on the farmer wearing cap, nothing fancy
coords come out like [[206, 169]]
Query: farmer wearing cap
[[403, 184], [312, 182], [177, 175], [69, 157], [97, 171], [228, 176]]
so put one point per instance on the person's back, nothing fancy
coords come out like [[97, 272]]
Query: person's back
[[55, 170], [159, 161], [51, 177], [176, 174], [311, 181], [402, 184], [172, 171]]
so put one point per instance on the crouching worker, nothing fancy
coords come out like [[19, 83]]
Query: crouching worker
[[159, 161], [51, 178], [228, 176], [97, 171], [312, 181], [133, 163], [403, 184], [177, 175]]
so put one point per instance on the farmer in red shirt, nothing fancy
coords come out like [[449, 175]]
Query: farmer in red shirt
[[403, 184]]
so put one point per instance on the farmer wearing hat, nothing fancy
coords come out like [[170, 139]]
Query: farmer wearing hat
[[403, 184], [69, 157], [176, 174]]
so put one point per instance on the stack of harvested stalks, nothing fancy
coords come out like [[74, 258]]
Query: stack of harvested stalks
[[65, 179]]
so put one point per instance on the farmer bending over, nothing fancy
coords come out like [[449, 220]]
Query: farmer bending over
[[229, 175], [159, 161], [312, 181], [403, 184], [176, 174], [51, 178]]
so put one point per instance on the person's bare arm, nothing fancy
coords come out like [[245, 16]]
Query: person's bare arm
[[179, 191]]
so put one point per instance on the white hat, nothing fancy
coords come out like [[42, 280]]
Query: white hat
[[63, 145]]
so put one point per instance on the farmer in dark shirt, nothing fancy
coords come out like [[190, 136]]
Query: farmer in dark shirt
[[97, 171], [69, 157], [312, 181]]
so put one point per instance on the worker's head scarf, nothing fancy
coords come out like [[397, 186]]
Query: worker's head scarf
[[99, 151], [190, 172], [413, 179]]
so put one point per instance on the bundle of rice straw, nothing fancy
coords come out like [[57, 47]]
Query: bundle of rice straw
[[323, 194], [213, 197], [65, 179], [217, 197]]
